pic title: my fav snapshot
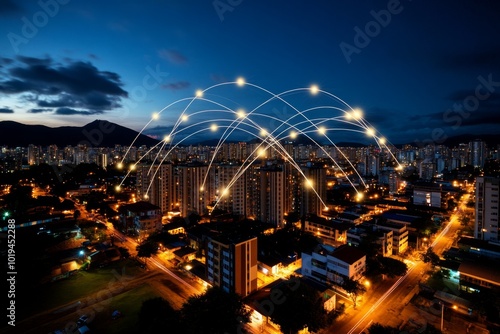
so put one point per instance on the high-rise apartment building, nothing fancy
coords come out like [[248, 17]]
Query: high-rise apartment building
[[487, 212], [232, 264], [478, 153], [313, 192], [158, 185], [196, 188], [230, 188]]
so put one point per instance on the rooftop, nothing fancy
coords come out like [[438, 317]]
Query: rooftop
[[140, 207], [348, 254], [484, 270]]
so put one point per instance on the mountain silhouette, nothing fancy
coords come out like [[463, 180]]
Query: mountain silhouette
[[99, 133]]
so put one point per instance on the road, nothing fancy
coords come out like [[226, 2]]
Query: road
[[173, 285], [385, 304]]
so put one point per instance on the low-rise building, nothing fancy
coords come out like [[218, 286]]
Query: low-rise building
[[479, 275], [400, 236], [145, 217], [332, 265], [331, 232], [383, 238]]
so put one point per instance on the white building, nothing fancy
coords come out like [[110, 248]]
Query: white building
[[487, 209], [332, 265]]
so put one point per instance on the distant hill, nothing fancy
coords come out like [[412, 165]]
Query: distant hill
[[102, 133], [491, 140], [99, 133]]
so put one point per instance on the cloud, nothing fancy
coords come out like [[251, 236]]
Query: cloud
[[6, 111], [38, 110], [70, 111], [172, 56], [32, 61], [75, 84], [176, 85], [8, 6], [218, 78]]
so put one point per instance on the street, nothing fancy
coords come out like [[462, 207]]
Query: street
[[387, 304]]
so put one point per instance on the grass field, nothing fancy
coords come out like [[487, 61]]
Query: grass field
[[79, 286], [129, 304]]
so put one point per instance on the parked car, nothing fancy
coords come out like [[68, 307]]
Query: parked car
[[82, 321]]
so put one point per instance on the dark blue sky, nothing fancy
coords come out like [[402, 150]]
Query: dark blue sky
[[422, 71]]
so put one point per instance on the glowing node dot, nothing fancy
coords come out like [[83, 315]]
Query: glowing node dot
[[132, 167], [261, 152], [118, 188], [201, 188], [382, 140], [119, 166], [348, 115], [370, 132], [321, 130], [199, 93], [325, 208], [146, 196], [241, 113], [293, 135], [314, 89], [263, 132], [225, 191], [166, 138], [359, 196], [357, 113], [240, 81], [185, 118], [213, 127], [309, 183]]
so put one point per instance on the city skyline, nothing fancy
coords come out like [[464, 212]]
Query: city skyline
[[437, 79]]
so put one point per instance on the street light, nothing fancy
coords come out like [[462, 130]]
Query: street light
[[442, 314]]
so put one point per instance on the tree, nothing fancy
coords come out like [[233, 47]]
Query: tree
[[156, 316], [431, 257], [377, 328], [214, 312], [354, 288], [147, 248], [393, 267], [296, 305]]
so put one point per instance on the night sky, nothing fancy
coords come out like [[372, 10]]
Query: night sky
[[419, 70]]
